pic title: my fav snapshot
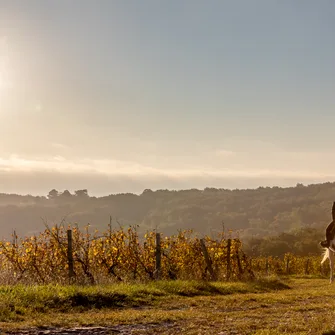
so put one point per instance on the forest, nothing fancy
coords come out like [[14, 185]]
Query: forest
[[268, 220]]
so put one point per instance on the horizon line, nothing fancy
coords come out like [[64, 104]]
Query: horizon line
[[298, 184]]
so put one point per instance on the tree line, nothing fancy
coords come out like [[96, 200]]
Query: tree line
[[259, 217]]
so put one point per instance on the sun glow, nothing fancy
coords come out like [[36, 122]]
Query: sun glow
[[4, 62], [2, 87], [4, 82]]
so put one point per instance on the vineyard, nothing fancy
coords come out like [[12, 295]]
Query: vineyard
[[68, 254]]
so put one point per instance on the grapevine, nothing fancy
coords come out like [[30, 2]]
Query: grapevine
[[122, 255]]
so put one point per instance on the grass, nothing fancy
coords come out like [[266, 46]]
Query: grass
[[262, 307], [20, 300]]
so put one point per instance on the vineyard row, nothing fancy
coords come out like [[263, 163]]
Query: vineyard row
[[68, 254]]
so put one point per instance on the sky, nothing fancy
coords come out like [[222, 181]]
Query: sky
[[124, 95]]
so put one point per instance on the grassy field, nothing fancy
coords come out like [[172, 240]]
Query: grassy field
[[286, 306]]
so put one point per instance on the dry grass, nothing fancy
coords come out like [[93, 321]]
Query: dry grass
[[259, 308]]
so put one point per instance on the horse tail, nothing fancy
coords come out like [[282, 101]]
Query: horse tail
[[325, 255]]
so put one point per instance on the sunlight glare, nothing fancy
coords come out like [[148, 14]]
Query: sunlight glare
[[4, 83]]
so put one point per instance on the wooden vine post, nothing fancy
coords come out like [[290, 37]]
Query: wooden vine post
[[239, 265], [70, 255], [157, 272], [288, 265], [207, 259], [228, 259], [307, 267], [267, 266]]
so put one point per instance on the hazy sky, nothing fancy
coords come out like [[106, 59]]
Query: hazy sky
[[123, 95]]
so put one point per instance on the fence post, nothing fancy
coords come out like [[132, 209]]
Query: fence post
[[157, 272], [239, 265], [306, 268], [228, 258], [70, 255], [14, 238], [207, 259], [267, 266]]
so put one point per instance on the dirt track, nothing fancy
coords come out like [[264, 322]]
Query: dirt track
[[120, 330]]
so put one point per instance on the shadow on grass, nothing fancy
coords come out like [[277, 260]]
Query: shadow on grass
[[98, 300], [191, 289], [26, 300], [270, 285], [145, 294]]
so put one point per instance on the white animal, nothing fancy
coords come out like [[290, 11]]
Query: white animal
[[330, 254]]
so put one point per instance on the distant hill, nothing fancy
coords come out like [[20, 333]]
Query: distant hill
[[261, 212]]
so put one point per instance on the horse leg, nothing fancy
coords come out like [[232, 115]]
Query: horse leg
[[331, 265]]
